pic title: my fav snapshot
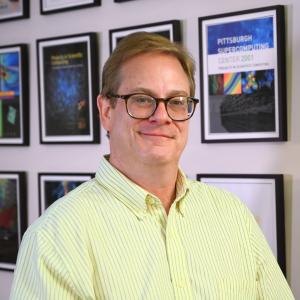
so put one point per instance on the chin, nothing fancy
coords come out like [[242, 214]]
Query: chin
[[157, 157]]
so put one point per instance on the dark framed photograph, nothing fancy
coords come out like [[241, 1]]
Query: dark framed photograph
[[13, 216], [263, 195], [14, 102], [14, 10], [54, 6], [243, 76], [53, 186], [168, 29], [68, 89]]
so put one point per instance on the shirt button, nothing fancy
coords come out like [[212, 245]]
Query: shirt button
[[141, 213], [171, 234], [181, 284], [151, 201]]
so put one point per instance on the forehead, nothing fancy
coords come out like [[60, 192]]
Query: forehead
[[154, 71]]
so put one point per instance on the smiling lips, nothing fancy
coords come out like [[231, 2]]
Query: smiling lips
[[156, 135]]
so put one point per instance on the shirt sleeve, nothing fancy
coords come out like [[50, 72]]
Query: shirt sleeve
[[40, 272], [271, 283]]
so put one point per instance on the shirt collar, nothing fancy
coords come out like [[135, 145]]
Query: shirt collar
[[182, 190], [132, 195]]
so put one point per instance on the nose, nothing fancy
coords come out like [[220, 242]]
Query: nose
[[160, 116]]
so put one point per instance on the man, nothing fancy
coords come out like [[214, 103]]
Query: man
[[140, 229]]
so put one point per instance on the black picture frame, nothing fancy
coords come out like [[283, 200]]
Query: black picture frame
[[263, 194], [13, 216], [243, 76], [169, 29], [14, 95], [63, 7], [68, 82], [53, 186], [19, 11]]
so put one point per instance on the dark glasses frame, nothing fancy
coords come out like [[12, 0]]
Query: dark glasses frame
[[165, 100]]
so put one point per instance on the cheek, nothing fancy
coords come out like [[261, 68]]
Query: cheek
[[118, 115], [183, 138], [184, 130], [124, 127]]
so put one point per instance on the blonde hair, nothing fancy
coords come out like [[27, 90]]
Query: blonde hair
[[138, 43]]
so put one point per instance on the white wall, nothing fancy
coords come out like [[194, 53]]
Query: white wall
[[264, 158]]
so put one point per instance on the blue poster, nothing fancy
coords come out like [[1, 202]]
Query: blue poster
[[10, 125], [241, 77], [66, 89], [241, 36]]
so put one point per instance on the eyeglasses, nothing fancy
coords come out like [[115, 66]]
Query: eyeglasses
[[142, 106]]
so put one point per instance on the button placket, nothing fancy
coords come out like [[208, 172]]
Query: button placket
[[176, 257]]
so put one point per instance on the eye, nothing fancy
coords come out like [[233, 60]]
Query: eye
[[142, 99], [178, 101]]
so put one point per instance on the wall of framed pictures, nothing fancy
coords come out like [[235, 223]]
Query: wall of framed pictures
[[107, 19]]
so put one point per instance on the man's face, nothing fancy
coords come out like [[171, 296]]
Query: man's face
[[158, 139]]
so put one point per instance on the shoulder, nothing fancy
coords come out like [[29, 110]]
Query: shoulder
[[217, 199], [71, 211], [212, 193]]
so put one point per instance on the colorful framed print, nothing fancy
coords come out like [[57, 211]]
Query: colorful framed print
[[13, 217], [243, 76], [168, 29], [54, 6], [263, 195], [53, 186], [14, 102], [68, 88], [14, 10]]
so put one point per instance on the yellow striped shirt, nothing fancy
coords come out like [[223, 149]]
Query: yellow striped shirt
[[111, 239]]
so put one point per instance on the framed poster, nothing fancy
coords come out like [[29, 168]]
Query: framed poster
[[263, 195], [54, 6], [13, 217], [68, 88], [53, 186], [14, 104], [168, 29], [243, 76], [14, 10]]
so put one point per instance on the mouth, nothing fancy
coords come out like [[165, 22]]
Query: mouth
[[156, 135]]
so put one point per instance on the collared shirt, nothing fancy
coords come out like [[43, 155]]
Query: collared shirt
[[111, 239]]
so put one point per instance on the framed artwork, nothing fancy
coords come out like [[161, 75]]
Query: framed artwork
[[53, 186], [54, 6], [68, 88], [263, 195], [243, 76], [14, 102], [120, 1], [13, 217], [14, 10], [168, 29]]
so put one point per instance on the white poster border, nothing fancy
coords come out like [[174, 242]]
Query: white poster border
[[207, 135]]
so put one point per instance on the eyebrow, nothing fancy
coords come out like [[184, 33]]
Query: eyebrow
[[150, 92]]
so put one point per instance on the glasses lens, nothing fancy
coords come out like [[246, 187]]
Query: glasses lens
[[180, 108], [140, 105]]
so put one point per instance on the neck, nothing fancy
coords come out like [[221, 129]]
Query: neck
[[157, 179]]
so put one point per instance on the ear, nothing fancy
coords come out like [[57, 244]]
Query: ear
[[104, 108]]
